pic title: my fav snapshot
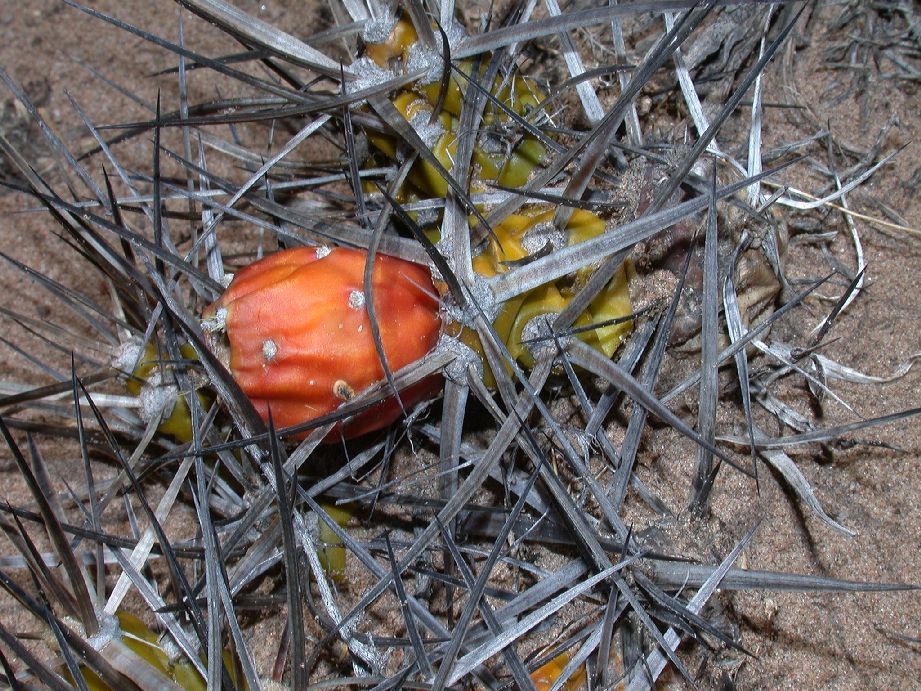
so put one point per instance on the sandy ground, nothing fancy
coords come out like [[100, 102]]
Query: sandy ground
[[812, 641]]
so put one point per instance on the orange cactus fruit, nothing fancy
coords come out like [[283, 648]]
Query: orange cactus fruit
[[294, 331]]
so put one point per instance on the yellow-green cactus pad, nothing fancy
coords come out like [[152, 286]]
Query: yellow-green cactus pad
[[613, 302], [332, 553], [506, 163]]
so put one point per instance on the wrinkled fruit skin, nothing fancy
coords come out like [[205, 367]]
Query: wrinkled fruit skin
[[299, 340]]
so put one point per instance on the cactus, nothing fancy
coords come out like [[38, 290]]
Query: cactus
[[486, 521], [506, 161], [496, 160]]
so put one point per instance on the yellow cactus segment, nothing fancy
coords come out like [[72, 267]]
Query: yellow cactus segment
[[426, 177], [517, 93], [454, 97], [545, 299], [188, 678], [525, 158], [178, 424], [142, 641], [332, 552], [613, 302], [496, 160], [397, 45], [410, 105]]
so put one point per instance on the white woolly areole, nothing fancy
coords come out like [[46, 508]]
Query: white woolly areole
[[170, 647], [108, 629], [323, 251], [216, 323], [157, 399], [481, 300], [540, 327], [426, 217], [368, 75], [269, 684], [128, 355], [226, 280], [432, 61], [421, 59], [378, 29], [465, 357], [356, 299], [269, 349], [539, 235], [428, 132], [456, 34]]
